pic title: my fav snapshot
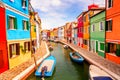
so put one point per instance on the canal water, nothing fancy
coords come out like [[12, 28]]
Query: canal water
[[65, 68]]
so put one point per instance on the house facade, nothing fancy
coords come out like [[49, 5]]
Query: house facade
[[92, 9], [97, 33], [113, 31], [80, 26], [18, 33], [3, 40]]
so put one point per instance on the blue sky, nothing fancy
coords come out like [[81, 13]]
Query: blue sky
[[55, 13]]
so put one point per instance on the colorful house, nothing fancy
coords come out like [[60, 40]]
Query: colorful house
[[18, 33], [97, 33], [69, 32], [74, 32], [3, 40], [80, 29], [61, 33], [38, 30], [92, 9], [113, 31]]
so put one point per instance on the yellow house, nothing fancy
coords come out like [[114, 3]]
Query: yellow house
[[91, 11], [33, 29]]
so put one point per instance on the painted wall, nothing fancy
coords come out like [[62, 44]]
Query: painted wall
[[80, 30], [113, 36], [17, 4], [98, 35], [18, 33], [3, 42]]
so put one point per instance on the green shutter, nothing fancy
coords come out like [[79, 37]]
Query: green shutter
[[8, 22], [106, 48], [118, 50], [15, 23], [34, 28], [23, 24], [27, 25]]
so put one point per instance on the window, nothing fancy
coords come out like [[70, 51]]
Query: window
[[109, 25], [101, 46], [93, 27], [25, 25], [27, 46], [14, 50], [101, 27], [110, 3], [24, 4], [12, 22], [85, 42]]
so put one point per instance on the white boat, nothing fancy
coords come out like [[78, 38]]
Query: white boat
[[47, 67], [97, 73], [65, 46]]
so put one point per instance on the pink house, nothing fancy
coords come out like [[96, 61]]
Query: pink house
[[80, 29]]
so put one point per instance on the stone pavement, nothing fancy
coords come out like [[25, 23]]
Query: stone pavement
[[16, 71], [111, 68]]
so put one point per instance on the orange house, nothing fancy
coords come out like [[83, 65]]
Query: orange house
[[113, 30], [92, 9]]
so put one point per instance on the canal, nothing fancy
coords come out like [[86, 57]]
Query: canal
[[65, 68]]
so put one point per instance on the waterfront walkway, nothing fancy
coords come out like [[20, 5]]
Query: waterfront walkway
[[111, 68], [21, 72]]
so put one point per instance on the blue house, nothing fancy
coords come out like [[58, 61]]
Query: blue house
[[18, 31]]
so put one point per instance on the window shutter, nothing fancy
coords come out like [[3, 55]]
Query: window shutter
[[27, 25], [10, 50], [111, 25], [23, 24], [34, 28], [8, 22], [28, 46], [17, 49], [106, 26], [25, 46], [15, 23]]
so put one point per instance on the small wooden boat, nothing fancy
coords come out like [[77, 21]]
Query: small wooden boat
[[76, 57], [98, 74], [65, 46], [47, 67]]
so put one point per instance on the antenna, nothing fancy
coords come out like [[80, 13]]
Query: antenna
[[93, 1]]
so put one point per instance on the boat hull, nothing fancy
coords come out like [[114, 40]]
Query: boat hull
[[50, 62], [77, 60], [98, 74]]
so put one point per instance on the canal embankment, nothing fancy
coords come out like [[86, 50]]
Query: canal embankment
[[22, 71], [111, 68]]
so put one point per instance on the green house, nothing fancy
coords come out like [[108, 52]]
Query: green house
[[97, 33]]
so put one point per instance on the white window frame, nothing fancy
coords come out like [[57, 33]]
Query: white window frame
[[108, 4], [100, 26], [112, 26], [23, 4], [25, 21]]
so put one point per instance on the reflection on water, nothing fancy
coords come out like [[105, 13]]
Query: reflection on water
[[65, 69]]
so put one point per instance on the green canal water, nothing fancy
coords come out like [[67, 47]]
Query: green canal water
[[65, 68]]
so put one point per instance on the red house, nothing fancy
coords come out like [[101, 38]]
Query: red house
[[69, 32], [80, 29], [3, 41]]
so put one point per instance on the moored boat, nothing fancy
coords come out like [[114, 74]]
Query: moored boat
[[65, 46], [97, 73], [47, 67], [76, 57]]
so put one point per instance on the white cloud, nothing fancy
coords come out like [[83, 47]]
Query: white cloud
[[54, 11]]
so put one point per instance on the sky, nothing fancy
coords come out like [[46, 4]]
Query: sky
[[56, 13]]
